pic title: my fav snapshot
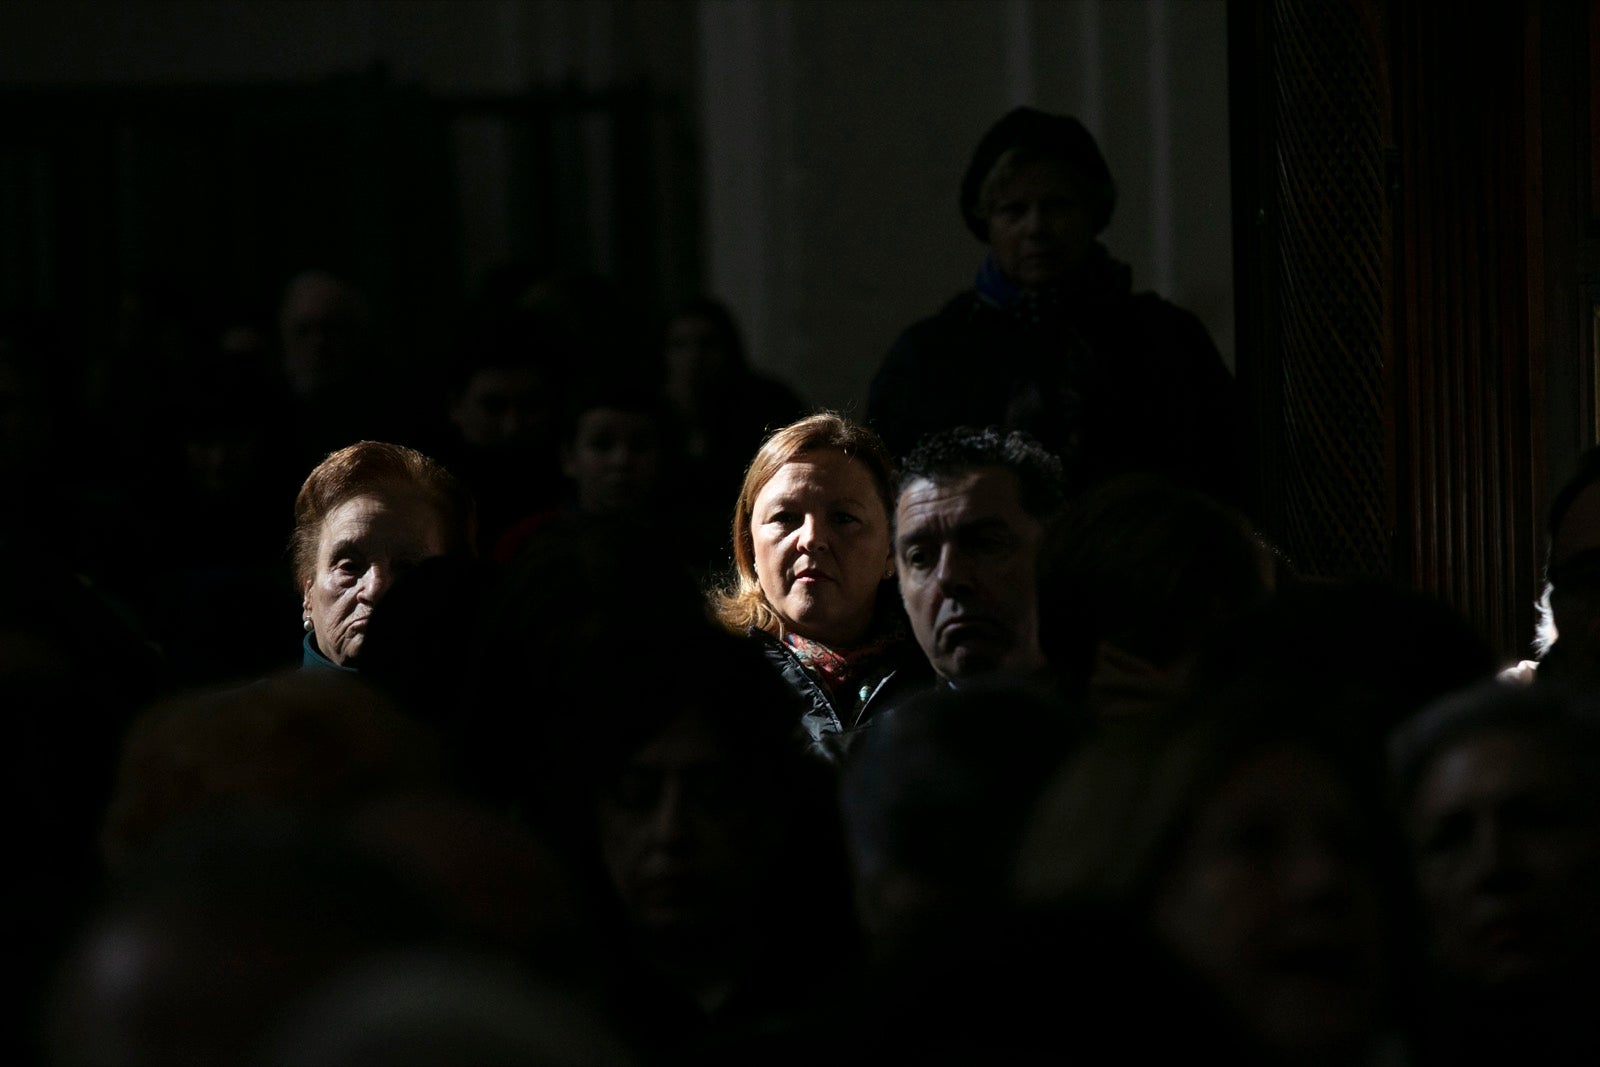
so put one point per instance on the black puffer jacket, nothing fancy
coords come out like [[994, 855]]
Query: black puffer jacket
[[830, 730]]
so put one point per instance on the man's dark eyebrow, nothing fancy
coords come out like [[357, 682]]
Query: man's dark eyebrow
[[917, 537], [921, 535]]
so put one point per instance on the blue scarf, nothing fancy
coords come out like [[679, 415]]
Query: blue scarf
[[994, 288], [1101, 281]]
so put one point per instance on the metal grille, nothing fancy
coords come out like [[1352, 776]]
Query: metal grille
[[1328, 278]]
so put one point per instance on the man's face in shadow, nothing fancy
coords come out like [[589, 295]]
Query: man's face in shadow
[[965, 549]]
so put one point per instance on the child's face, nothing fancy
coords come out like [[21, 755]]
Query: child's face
[[614, 459]]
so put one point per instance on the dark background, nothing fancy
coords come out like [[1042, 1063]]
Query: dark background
[[1415, 205]]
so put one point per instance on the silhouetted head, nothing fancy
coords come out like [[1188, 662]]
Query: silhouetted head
[[1037, 191], [616, 448], [1569, 606], [1133, 578], [323, 328], [702, 352], [934, 799], [504, 385]]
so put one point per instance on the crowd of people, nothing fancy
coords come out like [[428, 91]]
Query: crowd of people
[[641, 714]]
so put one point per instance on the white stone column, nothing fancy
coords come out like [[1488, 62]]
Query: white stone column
[[746, 105]]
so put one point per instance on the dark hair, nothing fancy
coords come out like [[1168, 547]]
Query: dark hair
[[369, 466], [502, 339], [1114, 816], [1391, 650], [733, 694], [714, 311], [944, 782], [1586, 472], [949, 453], [313, 741], [742, 700], [413, 659], [1037, 135], [549, 628], [594, 392], [1147, 565]]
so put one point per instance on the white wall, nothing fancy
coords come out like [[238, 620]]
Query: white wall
[[836, 134]]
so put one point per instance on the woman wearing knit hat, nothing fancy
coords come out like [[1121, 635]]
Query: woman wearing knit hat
[[1051, 338]]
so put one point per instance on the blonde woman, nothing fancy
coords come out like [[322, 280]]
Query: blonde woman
[[813, 575]]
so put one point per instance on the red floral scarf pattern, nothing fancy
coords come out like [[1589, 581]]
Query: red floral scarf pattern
[[846, 671]]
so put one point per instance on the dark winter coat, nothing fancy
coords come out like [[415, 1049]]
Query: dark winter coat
[[830, 730], [1108, 379]]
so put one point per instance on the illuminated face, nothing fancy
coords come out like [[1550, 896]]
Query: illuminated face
[[965, 550], [365, 544], [821, 540], [1041, 227]]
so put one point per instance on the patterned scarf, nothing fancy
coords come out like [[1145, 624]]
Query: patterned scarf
[[1026, 306], [851, 674], [1102, 281]]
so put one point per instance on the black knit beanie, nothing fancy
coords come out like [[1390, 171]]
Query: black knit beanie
[[1043, 135]]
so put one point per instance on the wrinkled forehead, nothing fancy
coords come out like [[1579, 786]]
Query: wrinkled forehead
[[987, 493], [399, 514]]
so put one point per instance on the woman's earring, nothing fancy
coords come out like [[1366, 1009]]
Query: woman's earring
[[306, 622]]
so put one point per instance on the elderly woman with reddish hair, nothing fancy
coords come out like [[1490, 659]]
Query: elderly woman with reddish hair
[[366, 515], [813, 575]]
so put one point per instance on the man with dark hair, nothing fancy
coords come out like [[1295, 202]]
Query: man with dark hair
[[971, 510]]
